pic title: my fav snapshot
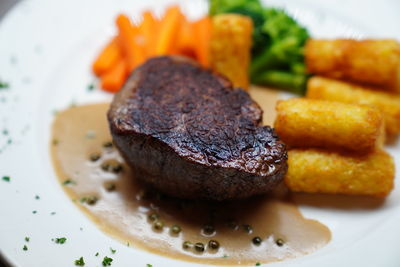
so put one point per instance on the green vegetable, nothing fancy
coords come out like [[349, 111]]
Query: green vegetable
[[27, 239], [3, 85], [113, 250], [6, 178], [107, 261], [278, 44], [80, 262], [149, 265], [60, 240], [25, 248]]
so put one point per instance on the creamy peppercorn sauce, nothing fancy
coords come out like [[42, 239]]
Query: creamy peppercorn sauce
[[104, 188]]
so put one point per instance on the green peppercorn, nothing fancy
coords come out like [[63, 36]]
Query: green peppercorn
[[153, 217], [280, 242], [175, 229], [107, 144], [187, 245], [158, 225], [110, 187], [117, 168], [213, 244], [247, 228], [95, 157], [105, 166], [208, 229], [257, 241], [91, 200], [199, 247], [233, 224]]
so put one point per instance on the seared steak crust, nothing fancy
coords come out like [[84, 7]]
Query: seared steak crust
[[187, 132]]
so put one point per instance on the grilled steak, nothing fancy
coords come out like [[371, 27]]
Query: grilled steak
[[187, 132]]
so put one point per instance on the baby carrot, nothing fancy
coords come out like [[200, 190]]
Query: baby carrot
[[168, 30], [127, 37], [107, 58], [113, 80], [202, 29], [148, 30]]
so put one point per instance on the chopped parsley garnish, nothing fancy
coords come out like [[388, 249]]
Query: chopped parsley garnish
[[6, 178], [27, 239], [127, 243], [90, 87], [5, 132], [55, 142], [107, 261], [68, 181], [59, 240], [53, 213], [113, 250], [34, 211], [97, 254], [149, 265], [80, 262], [4, 85], [25, 248], [37, 197], [258, 264]]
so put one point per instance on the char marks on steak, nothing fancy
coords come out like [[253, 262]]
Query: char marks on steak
[[187, 132]]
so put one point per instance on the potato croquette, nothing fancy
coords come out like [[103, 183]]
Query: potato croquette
[[230, 45], [334, 90], [376, 62], [304, 122], [320, 171]]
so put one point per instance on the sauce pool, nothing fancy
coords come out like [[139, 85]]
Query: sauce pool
[[95, 176]]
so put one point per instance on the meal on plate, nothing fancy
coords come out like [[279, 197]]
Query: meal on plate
[[184, 161]]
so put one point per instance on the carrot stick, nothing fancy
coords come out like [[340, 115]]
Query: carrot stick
[[186, 45], [168, 30], [149, 31], [113, 80], [202, 29], [107, 58], [127, 38]]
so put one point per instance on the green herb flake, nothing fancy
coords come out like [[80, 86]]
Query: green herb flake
[[53, 213], [258, 264], [25, 248], [225, 256], [90, 87], [149, 265], [113, 250], [97, 254], [4, 85], [55, 142], [107, 261], [34, 211], [37, 197], [27, 239], [60, 240], [69, 182], [5, 132], [80, 262], [6, 178]]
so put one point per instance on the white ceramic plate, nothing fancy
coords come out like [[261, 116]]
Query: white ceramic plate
[[46, 48]]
